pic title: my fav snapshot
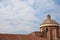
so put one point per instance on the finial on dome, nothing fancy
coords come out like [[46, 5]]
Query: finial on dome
[[48, 17]]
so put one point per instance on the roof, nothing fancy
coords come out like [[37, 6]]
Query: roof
[[49, 22], [19, 37]]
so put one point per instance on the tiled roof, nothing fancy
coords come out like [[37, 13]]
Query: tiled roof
[[19, 37]]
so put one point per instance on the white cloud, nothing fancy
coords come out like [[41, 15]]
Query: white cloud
[[18, 14], [19, 10]]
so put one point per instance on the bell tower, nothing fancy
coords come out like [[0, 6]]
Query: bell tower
[[49, 27]]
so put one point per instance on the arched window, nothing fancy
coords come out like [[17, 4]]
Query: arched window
[[46, 29]]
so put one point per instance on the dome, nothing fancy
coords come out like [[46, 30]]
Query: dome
[[49, 22]]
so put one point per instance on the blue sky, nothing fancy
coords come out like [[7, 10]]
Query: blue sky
[[25, 16]]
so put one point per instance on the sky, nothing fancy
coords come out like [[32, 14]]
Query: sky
[[25, 16]]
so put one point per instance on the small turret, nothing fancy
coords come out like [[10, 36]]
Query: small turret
[[49, 22]]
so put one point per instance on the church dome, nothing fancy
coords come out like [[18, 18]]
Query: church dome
[[49, 22]]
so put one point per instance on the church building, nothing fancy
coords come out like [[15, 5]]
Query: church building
[[49, 30]]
